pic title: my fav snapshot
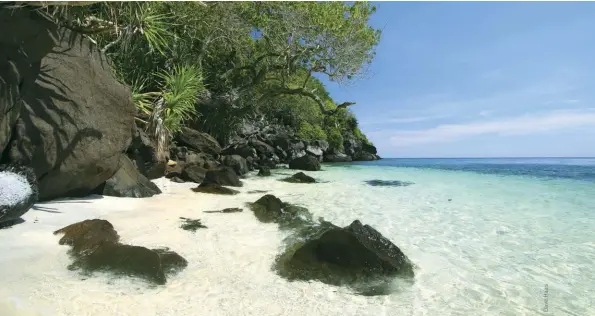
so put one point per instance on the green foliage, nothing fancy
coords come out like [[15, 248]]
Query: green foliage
[[181, 90], [246, 58], [308, 131]]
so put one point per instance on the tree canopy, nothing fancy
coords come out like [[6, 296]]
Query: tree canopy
[[218, 63]]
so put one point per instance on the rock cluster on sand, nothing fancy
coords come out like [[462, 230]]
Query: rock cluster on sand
[[96, 247], [18, 192]]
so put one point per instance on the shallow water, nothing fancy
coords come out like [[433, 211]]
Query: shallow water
[[491, 250]]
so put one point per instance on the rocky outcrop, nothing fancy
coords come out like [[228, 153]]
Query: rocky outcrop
[[237, 163], [193, 172], [308, 163], [18, 192], [96, 247], [350, 255], [222, 176], [300, 177], [65, 114], [365, 156], [199, 142], [128, 182]]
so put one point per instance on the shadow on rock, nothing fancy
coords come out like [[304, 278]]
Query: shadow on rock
[[96, 247], [388, 183]]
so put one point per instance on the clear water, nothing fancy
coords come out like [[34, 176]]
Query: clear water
[[489, 237]]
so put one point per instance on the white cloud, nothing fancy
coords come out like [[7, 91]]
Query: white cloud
[[521, 125]]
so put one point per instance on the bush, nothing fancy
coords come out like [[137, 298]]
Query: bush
[[308, 131], [335, 139]]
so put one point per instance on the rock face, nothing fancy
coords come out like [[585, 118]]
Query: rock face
[[365, 156], [128, 182], [18, 192], [223, 176], [237, 163], [356, 253], [307, 163], [96, 247], [68, 117], [200, 142], [300, 177]]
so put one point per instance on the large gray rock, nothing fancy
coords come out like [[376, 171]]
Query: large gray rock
[[129, 182], [308, 163], [18, 192], [222, 176], [237, 163], [200, 142], [144, 156], [71, 120]]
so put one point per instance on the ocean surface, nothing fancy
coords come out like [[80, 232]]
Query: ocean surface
[[488, 237]]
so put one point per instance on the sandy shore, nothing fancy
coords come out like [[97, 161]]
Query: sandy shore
[[229, 270]]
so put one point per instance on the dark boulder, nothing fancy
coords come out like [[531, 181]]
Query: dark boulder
[[74, 120], [200, 142], [128, 182], [237, 163], [222, 176], [270, 209], [18, 192], [193, 173], [337, 157], [144, 156], [262, 148], [300, 177], [242, 149], [335, 255], [175, 170], [95, 247], [307, 163], [213, 188], [264, 171]]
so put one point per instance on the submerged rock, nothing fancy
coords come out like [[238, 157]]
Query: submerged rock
[[308, 163], [356, 254], [95, 247], [214, 189], [388, 183], [18, 192], [191, 224], [299, 177], [270, 209]]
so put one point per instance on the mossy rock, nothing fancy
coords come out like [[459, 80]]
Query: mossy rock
[[299, 177], [270, 209], [214, 189], [357, 256]]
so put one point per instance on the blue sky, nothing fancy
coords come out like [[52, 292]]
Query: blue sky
[[481, 79]]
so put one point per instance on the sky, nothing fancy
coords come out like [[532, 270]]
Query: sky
[[479, 79]]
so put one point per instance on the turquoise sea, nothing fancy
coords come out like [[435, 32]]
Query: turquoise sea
[[488, 237]]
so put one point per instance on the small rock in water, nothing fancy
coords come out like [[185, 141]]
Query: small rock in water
[[388, 183], [257, 191], [449, 200], [300, 177], [191, 224], [214, 189]]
